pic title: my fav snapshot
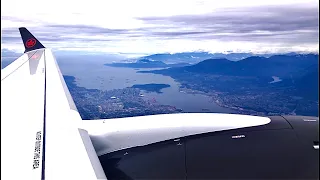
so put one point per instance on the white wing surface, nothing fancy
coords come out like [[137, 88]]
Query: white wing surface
[[40, 138]]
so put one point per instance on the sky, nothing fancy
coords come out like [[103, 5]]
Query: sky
[[164, 26]]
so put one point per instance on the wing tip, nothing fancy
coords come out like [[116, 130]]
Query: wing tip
[[30, 42], [23, 29]]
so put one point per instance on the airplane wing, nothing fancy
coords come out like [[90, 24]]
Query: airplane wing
[[39, 134]]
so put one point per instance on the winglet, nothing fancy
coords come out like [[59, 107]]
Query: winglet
[[29, 41]]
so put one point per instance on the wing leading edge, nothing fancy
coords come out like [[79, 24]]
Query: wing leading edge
[[40, 137]]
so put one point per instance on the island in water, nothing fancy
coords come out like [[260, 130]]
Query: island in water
[[151, 87]]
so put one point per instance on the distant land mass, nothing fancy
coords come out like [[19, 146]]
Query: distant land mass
[[246, 84], [145, 63], [195, 57], [8, 56], [278, 65], [5, 63], [151, 87]]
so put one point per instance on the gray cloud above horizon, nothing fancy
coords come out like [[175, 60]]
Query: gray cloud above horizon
[[284, 25], [277, 23]]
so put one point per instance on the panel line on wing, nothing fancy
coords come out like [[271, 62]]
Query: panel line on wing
[[44, 119], [18, 67]]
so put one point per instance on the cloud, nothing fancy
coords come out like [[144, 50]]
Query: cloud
[[167, 26], [265, 24]]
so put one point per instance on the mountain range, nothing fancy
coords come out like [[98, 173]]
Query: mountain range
[[283, 66], [185, 59], [196, 57], [298, 73], [146, 63]]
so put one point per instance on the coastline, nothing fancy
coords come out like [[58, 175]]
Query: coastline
[[214, 96]]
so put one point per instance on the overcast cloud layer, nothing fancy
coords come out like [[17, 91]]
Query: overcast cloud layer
[[157, 26]]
